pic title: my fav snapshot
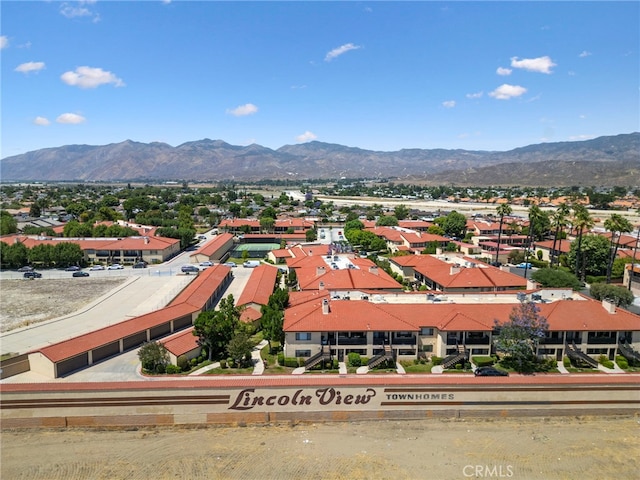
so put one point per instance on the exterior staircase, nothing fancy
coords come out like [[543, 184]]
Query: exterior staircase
[[317, 358], [628, 352], [574, 353], [387, 354], [460, 355]]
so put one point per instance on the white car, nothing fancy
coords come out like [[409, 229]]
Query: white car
[[115, 266], [97, 267], [206, 264]]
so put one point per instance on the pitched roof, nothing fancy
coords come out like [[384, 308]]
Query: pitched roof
[[181, 343], [260, 286], [347, 278], [212, 246]]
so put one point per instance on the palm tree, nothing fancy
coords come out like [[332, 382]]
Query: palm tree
[[535, 216], [616, 224], [559, 222], [502, 210], [581, 221]]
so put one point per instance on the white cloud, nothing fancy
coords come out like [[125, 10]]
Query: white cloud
[[449, 103], [71, 118], [243, 110], [41, 121], [79, 9], [503, 71], [584, 53], [506, 91], [306, 136], [336, 52], [29, 67], [88, 77], [474, 95], [540, 64], [4, 42]]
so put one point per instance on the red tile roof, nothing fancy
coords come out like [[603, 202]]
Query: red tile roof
[[344, 279], [260, 286], [212, 246], [198, 292], [181, 343]]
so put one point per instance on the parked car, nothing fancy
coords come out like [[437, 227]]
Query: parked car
[[202, 237], [230, 264], [523, 265], [206, 264], [490, 372], [72, 268], [189, 269], [97, 267], [251, 264], [140, 265], [115, 266], [26, 268], [32, 275], [80, 274]]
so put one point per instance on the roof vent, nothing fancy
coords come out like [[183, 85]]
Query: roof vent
[[325, 307]]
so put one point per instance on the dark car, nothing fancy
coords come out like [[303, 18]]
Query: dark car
[[26, 268], [490, 372], [80, 274], [140, 265], [72, 268], [32, 275]]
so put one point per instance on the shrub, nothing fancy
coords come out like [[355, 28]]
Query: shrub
[[623, 363], [172, 369], [354, 359], [223, 364], [183, 362], [436, 360], [335, 364], [483, 361], [605, 361], [613, 293], [566, 361], [281, 358], [231, 362], [291, 362]]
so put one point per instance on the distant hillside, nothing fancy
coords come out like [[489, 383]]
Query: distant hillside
[[613, 160]]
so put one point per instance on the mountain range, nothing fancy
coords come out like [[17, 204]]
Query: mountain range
[[603, 161]]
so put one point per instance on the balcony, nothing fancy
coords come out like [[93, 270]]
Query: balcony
[[477, 341], [352, 340], [601, 340], [404, 341], [551, 341]]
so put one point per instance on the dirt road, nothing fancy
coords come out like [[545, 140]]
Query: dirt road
[[531, 449]]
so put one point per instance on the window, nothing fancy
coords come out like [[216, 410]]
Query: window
[[303, 353], [306, 336], [426, 332], [427, 348]]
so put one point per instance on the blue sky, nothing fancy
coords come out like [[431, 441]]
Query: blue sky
[[375, 75]]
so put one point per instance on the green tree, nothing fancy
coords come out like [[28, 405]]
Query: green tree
[[613, 293], [310, 235], [593, 251], [559, 222], [387, 221], [401, 212], [239, 348], [67, 253], [269, 212], [454, 225], [42, 255], [154, 357], [14, 255], [503, 210], [617, 225], [554, 278], [582, 222], [267, 224], [519, 336], [8, 224], [216, 328]]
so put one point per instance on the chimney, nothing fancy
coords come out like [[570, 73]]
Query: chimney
[[325, 307], [321, 286], [610, 307], [438, 251], [373, 269], [320, 271], [454, 270], [146, 240]]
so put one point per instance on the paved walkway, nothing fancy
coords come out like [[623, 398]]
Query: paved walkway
[[561, 368], [258, 364]]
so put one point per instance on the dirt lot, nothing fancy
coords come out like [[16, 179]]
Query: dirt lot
[[568, 448], [25, 302]]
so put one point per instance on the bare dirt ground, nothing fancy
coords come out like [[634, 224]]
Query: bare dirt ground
[[568, 448], [25, 302]]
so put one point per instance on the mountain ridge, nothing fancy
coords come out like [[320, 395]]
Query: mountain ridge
[[607, 160]]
